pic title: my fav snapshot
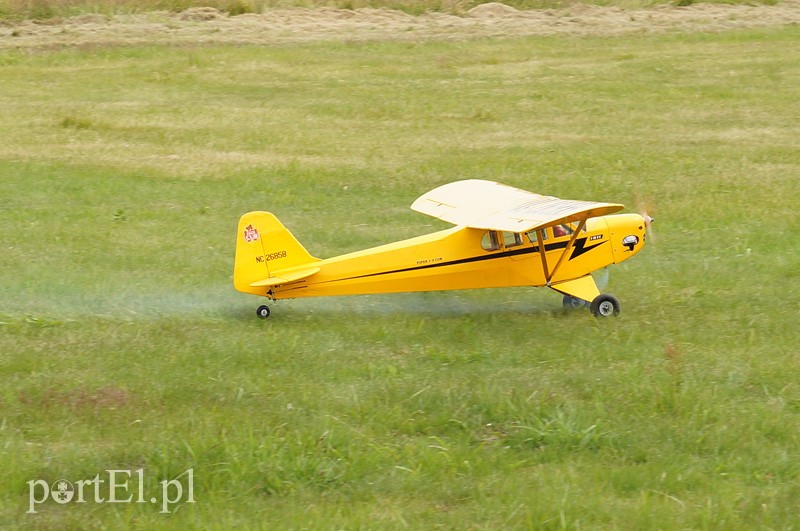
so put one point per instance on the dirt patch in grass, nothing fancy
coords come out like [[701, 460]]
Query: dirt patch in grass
[[79, 399], [210, 26]]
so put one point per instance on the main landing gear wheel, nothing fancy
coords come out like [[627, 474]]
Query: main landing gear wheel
[[573, 303], [604, 305], [263, 311]]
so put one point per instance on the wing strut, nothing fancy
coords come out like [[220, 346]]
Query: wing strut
[[541, 253], [567, 249]]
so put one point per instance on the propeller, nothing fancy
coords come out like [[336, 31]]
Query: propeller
[[645, 209], [648, 226]]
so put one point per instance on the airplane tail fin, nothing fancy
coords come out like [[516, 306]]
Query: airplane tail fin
[[265, 249]]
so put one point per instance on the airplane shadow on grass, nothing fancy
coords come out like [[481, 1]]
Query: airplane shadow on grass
[[439, 304]]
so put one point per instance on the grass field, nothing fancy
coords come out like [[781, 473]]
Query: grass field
[[49, 9], [123, 171]]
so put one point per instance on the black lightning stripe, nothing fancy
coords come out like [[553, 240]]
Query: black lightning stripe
[[578, 249]]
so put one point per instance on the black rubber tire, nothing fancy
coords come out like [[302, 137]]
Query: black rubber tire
[[263, 311], [573, 303], [605, 305]]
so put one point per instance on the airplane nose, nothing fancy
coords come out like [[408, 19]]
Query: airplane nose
[[628, 232]]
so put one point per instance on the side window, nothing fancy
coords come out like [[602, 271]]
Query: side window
[[573, 226], [511, 239], [532, 236], [567, 229], [489, 241], [561, 230]]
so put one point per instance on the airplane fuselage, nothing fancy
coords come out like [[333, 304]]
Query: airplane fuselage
[[467, 258]]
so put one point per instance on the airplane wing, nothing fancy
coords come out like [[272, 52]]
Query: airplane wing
[[493, 206]]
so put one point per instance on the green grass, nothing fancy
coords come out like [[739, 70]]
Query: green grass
[[123, 346]]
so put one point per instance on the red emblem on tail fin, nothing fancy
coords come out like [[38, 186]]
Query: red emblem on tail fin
[[250, 234]]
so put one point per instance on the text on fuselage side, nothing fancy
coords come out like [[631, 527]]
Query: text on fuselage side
[[271, 256]]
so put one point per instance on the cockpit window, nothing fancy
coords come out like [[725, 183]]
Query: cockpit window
[[511, 239], [566, 229], [489, 241], [532, 235]]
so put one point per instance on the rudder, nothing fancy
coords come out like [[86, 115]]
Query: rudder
[[263, 247]]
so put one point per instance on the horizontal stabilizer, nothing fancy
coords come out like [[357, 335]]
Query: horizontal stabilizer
[[283, 278]]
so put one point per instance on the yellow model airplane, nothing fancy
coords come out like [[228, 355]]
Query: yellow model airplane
[[503, 236]]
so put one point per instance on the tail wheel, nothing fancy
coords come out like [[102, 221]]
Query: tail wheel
[[604, 305], [263, 311]]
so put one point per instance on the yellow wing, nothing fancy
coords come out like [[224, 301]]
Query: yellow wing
[[493, 206]]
